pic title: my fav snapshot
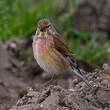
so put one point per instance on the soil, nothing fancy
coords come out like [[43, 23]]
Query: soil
[[73, 97], [21, 78]]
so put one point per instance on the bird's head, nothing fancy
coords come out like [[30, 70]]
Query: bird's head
[[45, 27]]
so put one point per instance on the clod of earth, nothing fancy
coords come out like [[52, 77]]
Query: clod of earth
[[79, 97]]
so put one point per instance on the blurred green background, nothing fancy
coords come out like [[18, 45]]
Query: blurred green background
[[18, 18]]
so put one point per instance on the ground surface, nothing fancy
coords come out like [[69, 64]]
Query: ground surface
[[78, 97]]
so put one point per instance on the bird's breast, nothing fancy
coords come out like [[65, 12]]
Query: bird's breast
[[42, 45], [48, 57]]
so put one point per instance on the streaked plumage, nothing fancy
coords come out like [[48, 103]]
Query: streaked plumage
[[51, 53]]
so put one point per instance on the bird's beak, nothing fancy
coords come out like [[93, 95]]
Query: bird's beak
[[42, 29]]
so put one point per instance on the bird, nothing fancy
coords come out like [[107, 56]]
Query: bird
[[52, 53]]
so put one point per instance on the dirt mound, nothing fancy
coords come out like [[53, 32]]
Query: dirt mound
[[77, 97]]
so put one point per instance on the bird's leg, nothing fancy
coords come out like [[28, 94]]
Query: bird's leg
[[48, 82]]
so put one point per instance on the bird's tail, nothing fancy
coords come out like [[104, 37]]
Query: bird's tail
[[79, 74]]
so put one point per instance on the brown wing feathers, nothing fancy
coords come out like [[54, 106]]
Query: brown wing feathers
[[62, 48]]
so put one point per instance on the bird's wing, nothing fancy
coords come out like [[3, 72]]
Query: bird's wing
[[63, 48]]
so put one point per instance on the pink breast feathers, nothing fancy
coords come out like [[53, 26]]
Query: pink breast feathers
[[43, 45]]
